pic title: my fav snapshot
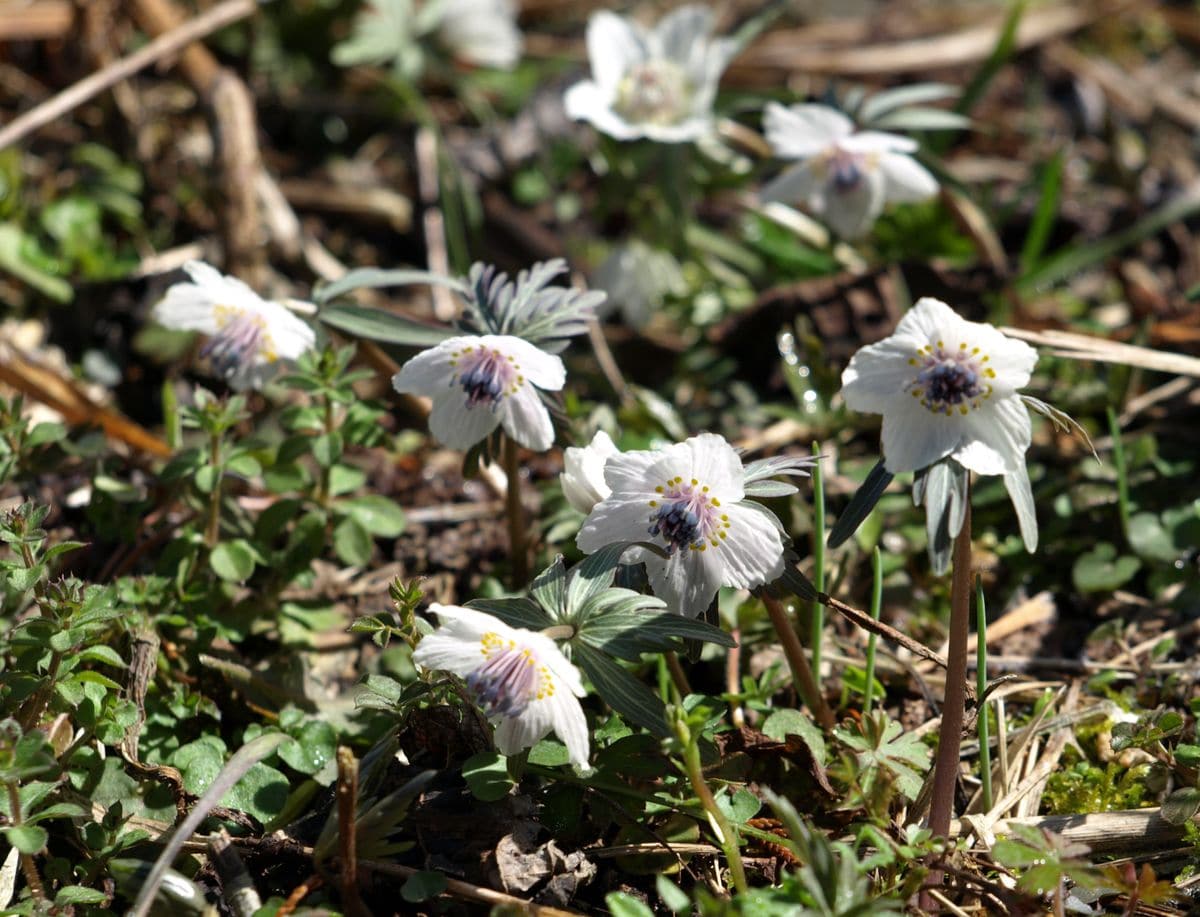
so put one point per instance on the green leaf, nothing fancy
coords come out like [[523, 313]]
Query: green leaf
[[29, 839], [861, 504], [621, 904], [314, 747], [628, 634], [1101, 570], [1188, 755], [549, 587], [621, 691], [739, 805], [374, 278], [1181, 806], [487, 776], [261, 792], [352, 542], [386, 327], [882, 748], [327, 449], [207, 477], [377, 514], [232, 560], [78, 894], [1150, 538], [421, 886], [518, 612], [673, 897], [549, 753], [782, 723]]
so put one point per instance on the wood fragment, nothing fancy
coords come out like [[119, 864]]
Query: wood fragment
[[236, 129], [35, 21], [91, 86], [1124, 831], [1076, 346]]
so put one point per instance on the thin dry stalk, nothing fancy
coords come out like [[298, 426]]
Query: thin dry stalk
[[802, 673], [164, 46]]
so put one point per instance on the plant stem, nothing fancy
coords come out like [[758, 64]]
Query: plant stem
[[945, 767], [326, 481], [36, 889], [1118, 448], [518, 546], [678, 675], [733, 677], [727, 838], [802, 674], [212, 531], [818, 553], [876, 611], [985, 748]]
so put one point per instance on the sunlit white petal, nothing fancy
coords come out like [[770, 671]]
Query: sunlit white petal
[[520, 678], [582, 476]]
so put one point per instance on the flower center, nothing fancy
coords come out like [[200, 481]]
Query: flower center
[[240, 337], [950, 380], [844, 171], [653, 92], [687, 515], [509, 679], [485, 374]]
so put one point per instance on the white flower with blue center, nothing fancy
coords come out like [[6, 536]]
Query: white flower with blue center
[[519, 678], [582, 476], [845, 177], [656, 83], [248, 337], [689, 499], [480, 382], [945, 387]]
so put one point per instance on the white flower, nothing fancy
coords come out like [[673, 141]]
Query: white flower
[[658, 83], [637, 278], [689, 499], [518, 677], [945, 386], [481, 32], [479, 382], [248, 335], [582, 477], [845, 177]]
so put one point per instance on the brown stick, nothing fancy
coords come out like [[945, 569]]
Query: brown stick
[[347, 813], [54, 108], [869, 624], [945, 768], [802, 674]]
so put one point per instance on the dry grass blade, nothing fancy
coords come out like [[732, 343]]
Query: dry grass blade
[[1075, 346], [965, 46]]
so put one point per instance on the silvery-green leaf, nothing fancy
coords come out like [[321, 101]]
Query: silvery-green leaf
[[901, 97], [942, 489], [796, 583], [383, 31], [861, 504], [1020, 492], [374, 277], [771, 489], [529, 307], [593, 575], [629, 633], [519, 612], [550, 586], [794, 465], [662, 411], [621, 691], [922, 119], [388, 327]]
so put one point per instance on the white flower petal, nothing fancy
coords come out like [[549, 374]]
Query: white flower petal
[[996, 437], [803, 130], [630, 473], [291, 335], [682, 32], [793, 185], [930, 320], [914, 437], [852, 213], [614, 44], [545, 370], [458, 424], [906, 180], [570, 725], [187, 307], [582, 477], [687, 581], [752, 552], [429, 372], [712, 462], [526, 419], [878, 142], [878, 374], [614, 520]]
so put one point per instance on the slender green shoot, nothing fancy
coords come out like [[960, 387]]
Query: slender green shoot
[[985, 749], [818, 610], [876, 610], [1122, 472]]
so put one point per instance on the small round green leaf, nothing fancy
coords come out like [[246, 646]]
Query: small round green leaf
[[232, 560]]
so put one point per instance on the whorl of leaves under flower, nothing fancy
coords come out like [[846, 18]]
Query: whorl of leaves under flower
[[528, 308]]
